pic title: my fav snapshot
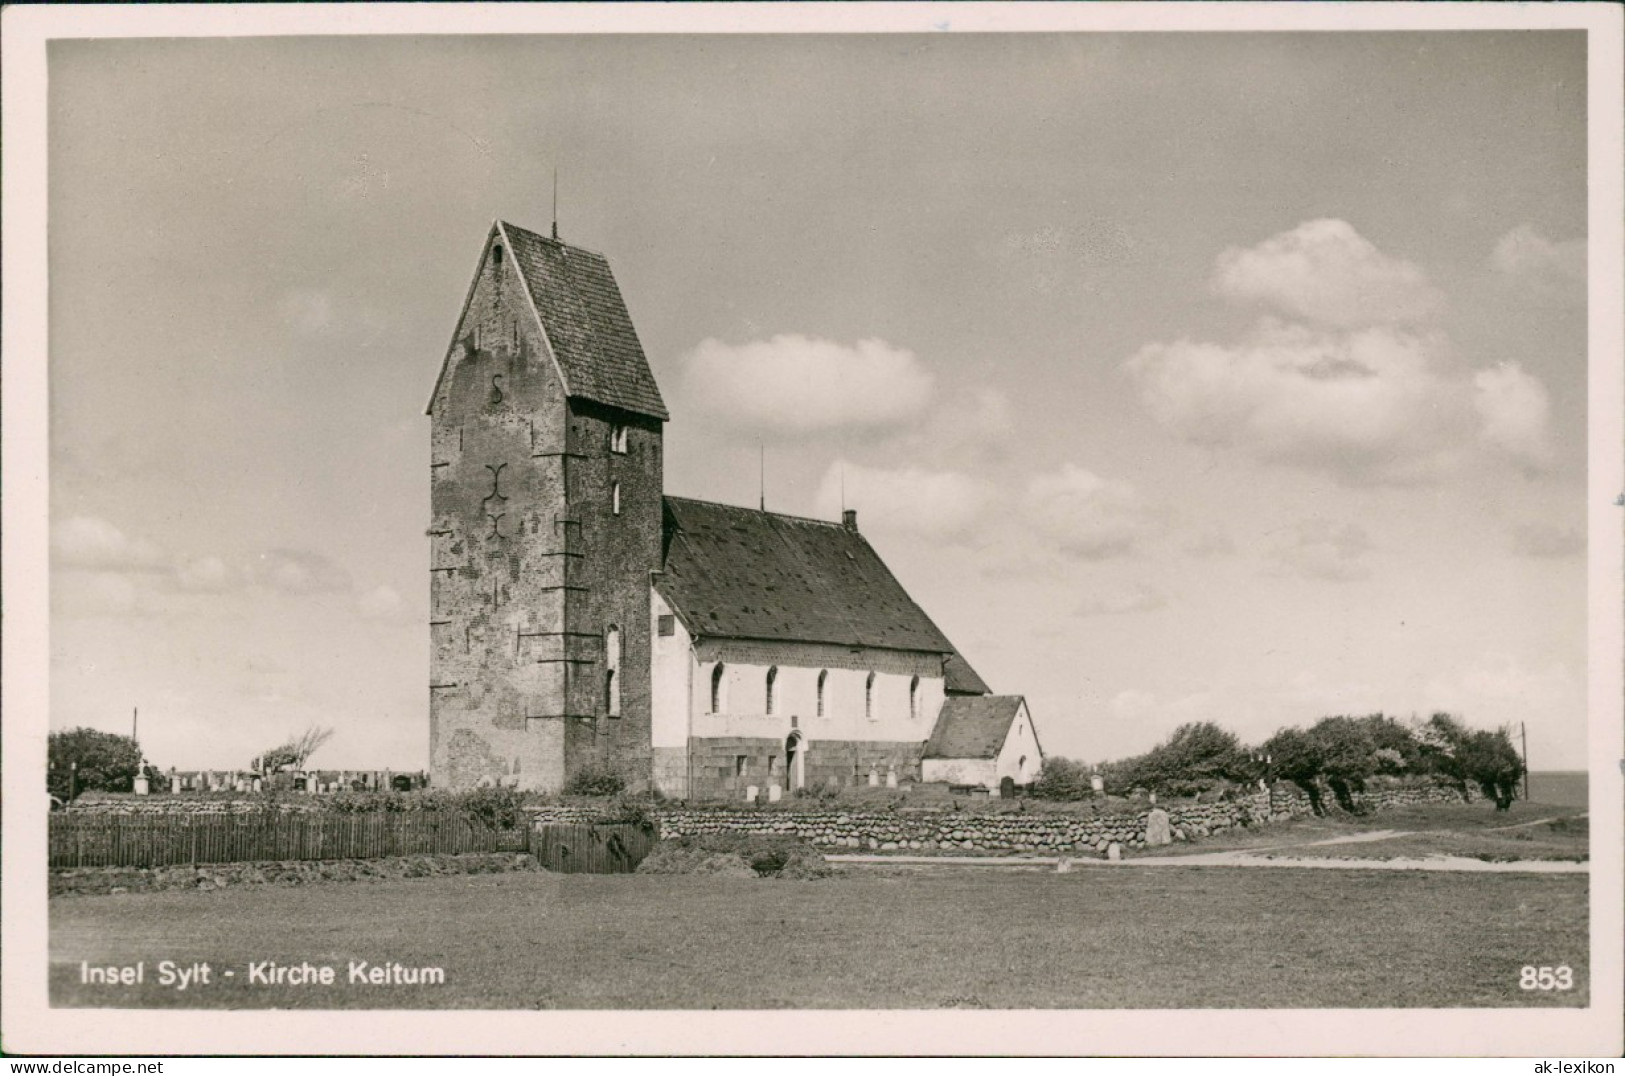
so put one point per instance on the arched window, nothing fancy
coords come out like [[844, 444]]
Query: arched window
[[823, 675], [716, 688], [914, 699], [869, 698], [615, 498], [772, 684], [612, 671]]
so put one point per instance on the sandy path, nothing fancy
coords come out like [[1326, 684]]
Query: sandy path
[[1236, 859]]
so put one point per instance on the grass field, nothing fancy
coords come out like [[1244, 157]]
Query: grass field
[[885, 938]]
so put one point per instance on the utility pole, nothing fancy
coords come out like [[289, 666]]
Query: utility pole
[[1523, 729]]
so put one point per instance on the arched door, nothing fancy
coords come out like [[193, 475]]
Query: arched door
[[795, 760]]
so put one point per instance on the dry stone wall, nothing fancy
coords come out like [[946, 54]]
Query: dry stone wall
[[939, 830]]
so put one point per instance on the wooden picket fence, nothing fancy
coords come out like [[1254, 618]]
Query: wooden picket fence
[[592, 849], [98, 840]]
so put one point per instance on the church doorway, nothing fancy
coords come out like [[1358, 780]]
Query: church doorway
[[795, 760]]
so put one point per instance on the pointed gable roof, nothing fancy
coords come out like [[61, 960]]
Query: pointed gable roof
[[974, 726], [583, 319], [748, 574]]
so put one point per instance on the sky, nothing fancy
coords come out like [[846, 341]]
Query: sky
[[1180, 377]]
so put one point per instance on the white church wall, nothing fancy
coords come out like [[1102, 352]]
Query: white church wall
[[1020, 743], [743, 710], [671, 677]]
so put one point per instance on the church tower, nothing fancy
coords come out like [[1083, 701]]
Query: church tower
[[546, 494]]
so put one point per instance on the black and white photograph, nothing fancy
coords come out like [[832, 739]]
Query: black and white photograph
[[1104, 526]]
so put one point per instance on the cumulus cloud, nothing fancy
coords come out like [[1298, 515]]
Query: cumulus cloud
[[207, 575], [299, 571], [380, 603], [1140, 598], [92, 543], [1087, 516], [1525, 256], [804, 385], [1325, 272], [970, 427], [1370, 406], [1547, 542], [937, 505], [1514, 414], [1357, 386], [1317, 549]]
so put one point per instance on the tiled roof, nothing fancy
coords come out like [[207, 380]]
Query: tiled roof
[[961, 679], [748, 574], [586, 322], [972, 726]]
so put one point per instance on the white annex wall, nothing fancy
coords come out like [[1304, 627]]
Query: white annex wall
[[1020, 743], [669, 684]]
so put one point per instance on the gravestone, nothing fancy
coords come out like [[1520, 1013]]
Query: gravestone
[[1158, 829], [773, 793], [174, 784], [750, 794], [1063, 865], [891, 779], [1114, 851], [874, 779], [1007, 788]]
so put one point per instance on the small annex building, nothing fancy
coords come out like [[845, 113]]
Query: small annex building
[[982, 740], [582, 617]]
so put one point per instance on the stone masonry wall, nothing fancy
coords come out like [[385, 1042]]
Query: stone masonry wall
[[931, 830]]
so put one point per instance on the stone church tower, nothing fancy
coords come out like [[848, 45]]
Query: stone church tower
[[545, 474]]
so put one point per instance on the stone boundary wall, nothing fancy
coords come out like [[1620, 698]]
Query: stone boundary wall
[[964, 830], [870, 828]]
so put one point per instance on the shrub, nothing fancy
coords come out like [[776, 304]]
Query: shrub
[[498, 806], [595, 778], [738, 854], [83, 760], [1063, 779]]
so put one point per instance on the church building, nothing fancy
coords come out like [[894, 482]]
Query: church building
[[582, 618]]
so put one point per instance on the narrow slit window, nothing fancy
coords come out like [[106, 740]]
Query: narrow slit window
[[617, 439], [914, 699], [772, 688], [615, 498], [612, 671], [823, 678], [869, 698], [716, 688]]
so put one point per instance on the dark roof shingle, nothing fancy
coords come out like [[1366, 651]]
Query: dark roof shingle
[[961, 679], [586, 323], [748, 574], [972, 726]]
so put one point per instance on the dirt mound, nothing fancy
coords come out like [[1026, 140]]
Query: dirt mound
[[738, 855]]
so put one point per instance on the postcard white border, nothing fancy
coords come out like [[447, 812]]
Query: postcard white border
[[31, 1026]]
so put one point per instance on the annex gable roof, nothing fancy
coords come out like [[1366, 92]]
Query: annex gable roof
[[974, 726], [749, 574], [582, 317]]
